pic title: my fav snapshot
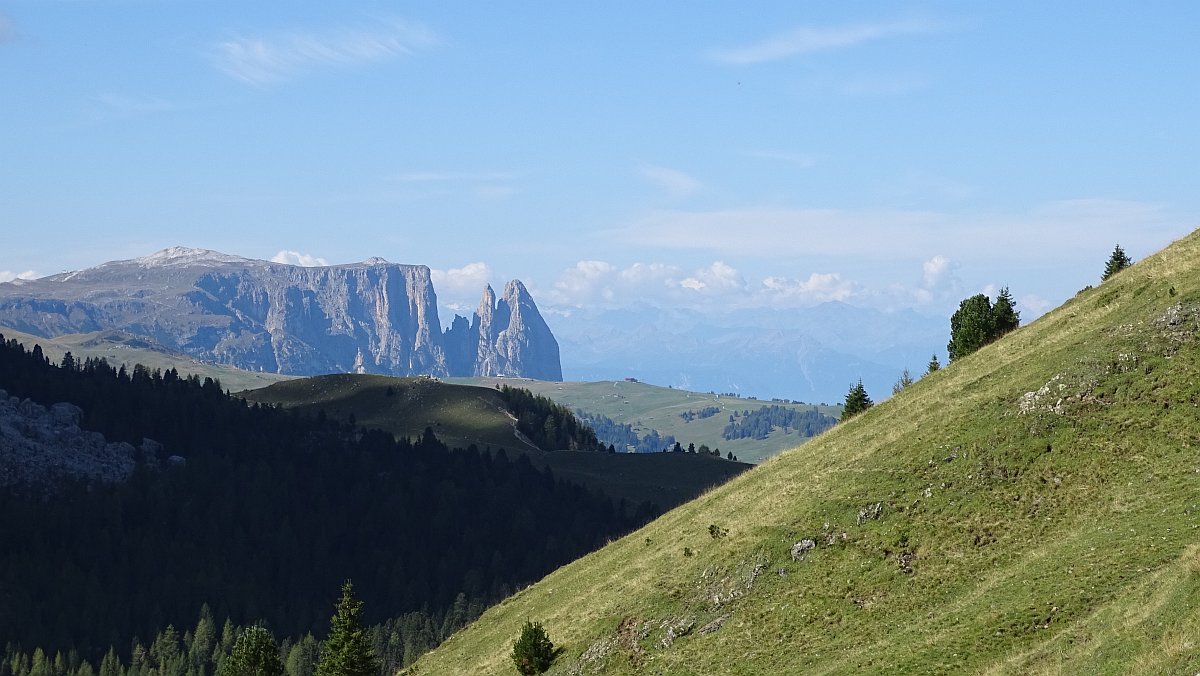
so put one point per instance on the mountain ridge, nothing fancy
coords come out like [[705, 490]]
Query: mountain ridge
[[367, 317]]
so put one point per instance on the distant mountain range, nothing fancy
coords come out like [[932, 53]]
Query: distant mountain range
[[809, 354], [368, 317]]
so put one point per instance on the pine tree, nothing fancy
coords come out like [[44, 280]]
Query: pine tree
[[1005, 317], [857, 401], [533, 652], [1117, 262], [934, 365], [971, 327], [905, 380], [204, 639], [254, 654], [110, 664], [302, 657], [347, 651]]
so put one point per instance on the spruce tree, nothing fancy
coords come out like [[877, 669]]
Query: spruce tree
[[347, 650], [934, 364], [1117, 262], [254, 654], [1005, 317], [857, 401], [905, 380]]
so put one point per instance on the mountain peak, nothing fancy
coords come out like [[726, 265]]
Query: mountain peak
[[179, 256], [515, 290]]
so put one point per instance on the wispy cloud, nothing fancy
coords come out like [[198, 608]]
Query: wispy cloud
[[676, 183], [799, 159], [1048, 230], [809, 39], [298, 258], [7, 32], [268, 59], [129, 106], [427, 176], [484, 185]]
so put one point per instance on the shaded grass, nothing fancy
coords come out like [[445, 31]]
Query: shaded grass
[[462, 415]]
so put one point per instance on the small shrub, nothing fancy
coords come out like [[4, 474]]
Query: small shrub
[[687, 551], [716, 532], [533, 652]]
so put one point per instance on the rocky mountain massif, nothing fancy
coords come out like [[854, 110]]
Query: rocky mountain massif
[[369, 317]]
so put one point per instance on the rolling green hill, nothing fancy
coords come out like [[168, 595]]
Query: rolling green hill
[[646, 407], [118, 348], [1032, 508], [461, 415]]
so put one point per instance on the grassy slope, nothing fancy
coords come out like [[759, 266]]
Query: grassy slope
[[119, 349], [461, 415], [1043, 542], [659, 408]]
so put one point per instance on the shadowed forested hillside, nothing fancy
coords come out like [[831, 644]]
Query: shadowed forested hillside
[[261, 514]]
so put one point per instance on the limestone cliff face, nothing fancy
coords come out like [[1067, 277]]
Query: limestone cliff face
[[370, 317]]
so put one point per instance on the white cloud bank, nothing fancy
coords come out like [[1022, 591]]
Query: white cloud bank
[[719, 287], [298, 258], [269, 59], [8, 275], [459, 286], [593, 282]]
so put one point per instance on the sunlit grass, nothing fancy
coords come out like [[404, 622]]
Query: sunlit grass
[[1061, 539]]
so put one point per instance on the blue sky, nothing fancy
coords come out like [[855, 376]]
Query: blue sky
[[699, 154]]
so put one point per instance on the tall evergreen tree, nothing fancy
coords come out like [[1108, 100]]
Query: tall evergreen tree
[[204, 640], [254, 654], [1117, 262], [1005, 316], [347, 650], [111, 665], [857, 401]]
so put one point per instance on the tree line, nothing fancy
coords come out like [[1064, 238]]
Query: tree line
[[622, 436], [549, 425], [758, 424], [706, 412]]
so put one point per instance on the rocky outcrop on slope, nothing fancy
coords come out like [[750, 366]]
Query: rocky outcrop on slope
[[369, 317], [42, 446]]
